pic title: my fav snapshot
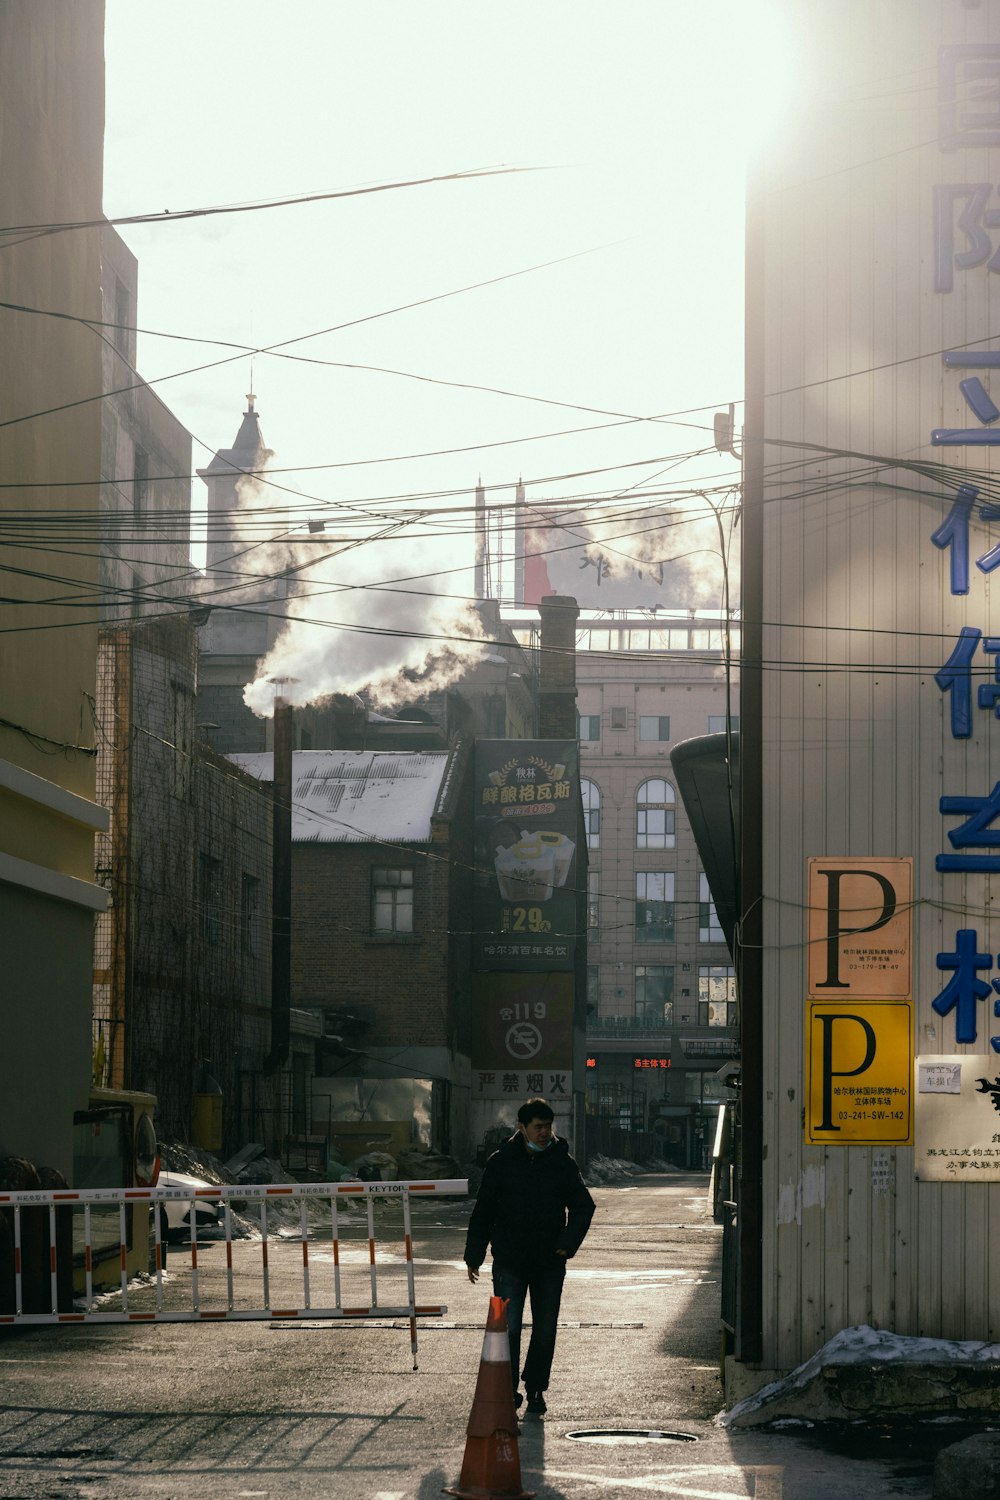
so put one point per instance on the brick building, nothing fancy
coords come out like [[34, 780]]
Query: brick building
[[380, 870], [182, 956]]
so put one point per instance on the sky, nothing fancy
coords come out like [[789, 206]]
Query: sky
[[610, 226]]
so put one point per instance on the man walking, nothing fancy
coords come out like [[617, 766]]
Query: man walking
[[534, 1208]]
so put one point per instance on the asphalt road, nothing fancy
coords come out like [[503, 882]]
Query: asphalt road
[[319, 1409]]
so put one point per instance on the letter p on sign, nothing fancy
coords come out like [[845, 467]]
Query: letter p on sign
[[859, 929]]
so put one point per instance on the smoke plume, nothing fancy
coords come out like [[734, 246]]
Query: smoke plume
[[348, 625]]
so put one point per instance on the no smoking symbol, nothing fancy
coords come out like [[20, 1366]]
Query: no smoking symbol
[[523, 1040]]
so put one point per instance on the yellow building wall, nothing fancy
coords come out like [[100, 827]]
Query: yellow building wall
[[51, 165]]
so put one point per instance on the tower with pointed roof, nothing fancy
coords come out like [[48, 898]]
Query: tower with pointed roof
[[248, 606], [222, 476]]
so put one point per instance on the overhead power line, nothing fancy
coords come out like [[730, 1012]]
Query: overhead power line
[[174, 216]]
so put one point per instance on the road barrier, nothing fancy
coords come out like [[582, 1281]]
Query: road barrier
[[80, 1204]]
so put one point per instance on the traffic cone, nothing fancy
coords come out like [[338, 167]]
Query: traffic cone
[[491, 1468]]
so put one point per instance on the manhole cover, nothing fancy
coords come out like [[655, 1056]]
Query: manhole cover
[[630, 1435]]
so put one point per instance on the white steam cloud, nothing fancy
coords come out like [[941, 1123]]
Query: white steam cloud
[[348, 625], [673, 559]]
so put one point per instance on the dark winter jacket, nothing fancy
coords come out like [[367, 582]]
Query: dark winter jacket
[[530, 1204]]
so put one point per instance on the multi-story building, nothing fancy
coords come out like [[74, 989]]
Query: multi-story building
[[51, 151], [182, 970], [662, 986]]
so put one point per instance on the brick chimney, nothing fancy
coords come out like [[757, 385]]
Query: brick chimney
[[557, 667], [281, 888]]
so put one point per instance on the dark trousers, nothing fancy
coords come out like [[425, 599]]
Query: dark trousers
[[544, 1286]]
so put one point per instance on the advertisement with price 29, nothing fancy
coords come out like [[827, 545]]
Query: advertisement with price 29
[[527, 826]]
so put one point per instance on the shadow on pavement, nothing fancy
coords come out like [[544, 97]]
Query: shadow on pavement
[[191, 1443]]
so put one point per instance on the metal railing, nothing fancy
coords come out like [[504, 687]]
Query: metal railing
[[75, 1203]]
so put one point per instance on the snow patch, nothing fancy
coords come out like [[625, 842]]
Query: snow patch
[[863, 1345]]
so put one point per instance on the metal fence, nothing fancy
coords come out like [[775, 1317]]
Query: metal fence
[[607, 1139], [71, 1231]]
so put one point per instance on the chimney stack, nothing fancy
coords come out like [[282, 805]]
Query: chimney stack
[[281, 889], [557, 667]]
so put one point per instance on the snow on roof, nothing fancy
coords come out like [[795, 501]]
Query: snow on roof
[[351, 796]]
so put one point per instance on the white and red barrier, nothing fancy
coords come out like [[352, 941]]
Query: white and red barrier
[[332, 1192]]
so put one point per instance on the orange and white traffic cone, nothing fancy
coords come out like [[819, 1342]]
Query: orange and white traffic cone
[[491, 1468]]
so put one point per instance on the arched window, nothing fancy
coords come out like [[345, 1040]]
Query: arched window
[[654, 815], [590, 792]]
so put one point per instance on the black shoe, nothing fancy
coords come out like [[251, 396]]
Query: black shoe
[[518, 1398], [536, 1403]]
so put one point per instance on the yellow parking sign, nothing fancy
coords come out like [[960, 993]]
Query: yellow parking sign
[[859, 1073]]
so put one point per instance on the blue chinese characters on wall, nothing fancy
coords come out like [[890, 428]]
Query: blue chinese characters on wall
[[965, 991], [975, 841]]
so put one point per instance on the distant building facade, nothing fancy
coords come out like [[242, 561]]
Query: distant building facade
[[661, 1011], [145, 463]]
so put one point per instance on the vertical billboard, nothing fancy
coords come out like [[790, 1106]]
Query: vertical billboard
[[527, 801]]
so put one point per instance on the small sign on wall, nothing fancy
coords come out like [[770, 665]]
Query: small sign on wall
[[859, 1068], [859, 928], [958, 1118]]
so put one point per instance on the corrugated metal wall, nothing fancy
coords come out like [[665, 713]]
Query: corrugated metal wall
[[857, 748]]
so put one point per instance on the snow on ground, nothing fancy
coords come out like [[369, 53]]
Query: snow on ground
[[284, 1216], [602, 1170], [863, 1345]]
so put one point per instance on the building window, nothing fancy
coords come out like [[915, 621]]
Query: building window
[[717, 723], [654, 815], [590, 795], [392, 900], [654, 906], [709, 928], [654, 727], [589, 727], [210, 898], [593, 906], [654, 995], [716, 995], [250, 915]]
